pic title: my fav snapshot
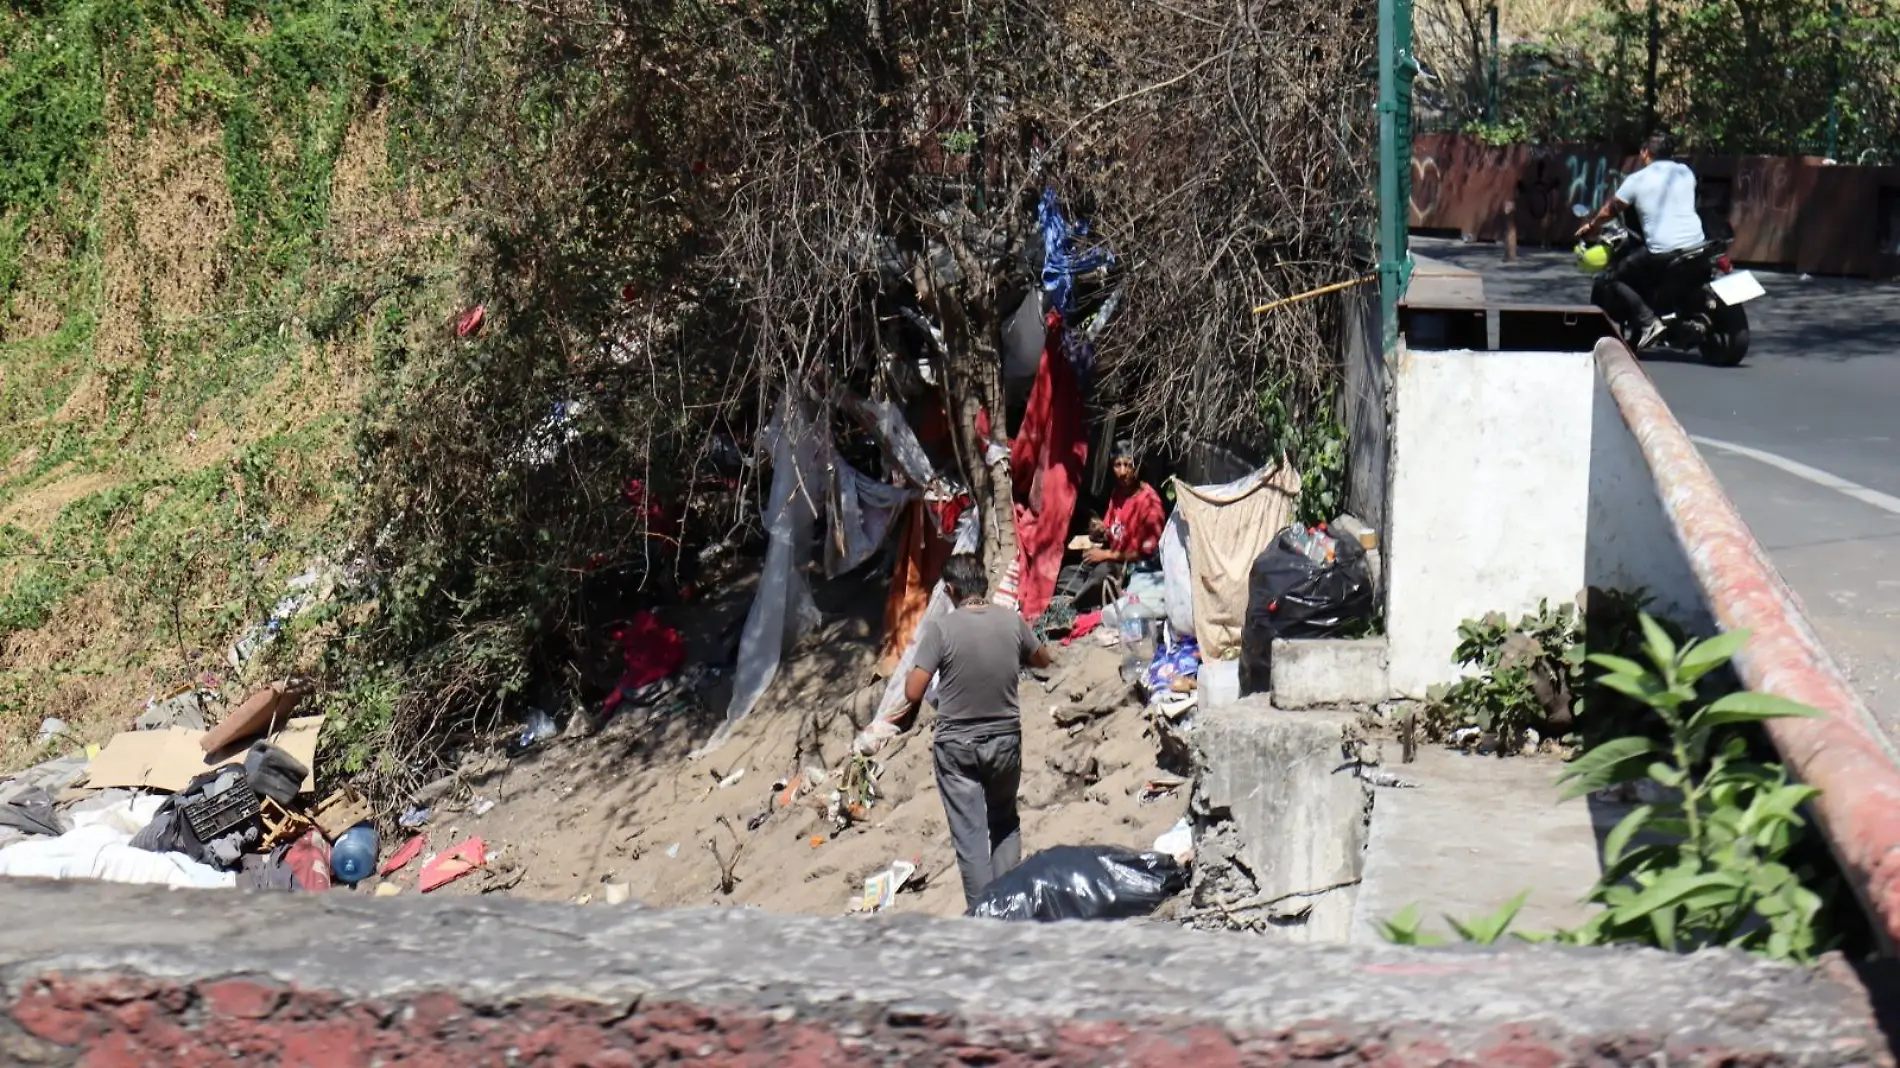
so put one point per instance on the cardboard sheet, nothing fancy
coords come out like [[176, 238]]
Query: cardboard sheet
[[169, 759]]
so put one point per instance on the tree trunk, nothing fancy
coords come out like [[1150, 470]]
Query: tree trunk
[[975, 382]]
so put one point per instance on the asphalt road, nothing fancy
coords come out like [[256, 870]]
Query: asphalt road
[[1804, 435]]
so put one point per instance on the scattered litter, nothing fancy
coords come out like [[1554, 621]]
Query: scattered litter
[[732, 779], [387, 889], [881, 889], [539, 728], [51, 728], [758, 820], [1177, 842], [339, 812], [1155, 789], [1082, 883], [353, 857], [168, 759], [451, 864], [185, 710], [673, 851], [400, 858], [104, 853], [32, 811], [815, 841], [415, 816], [258, 713], [482, 806], [1380, 777], [616, 893]]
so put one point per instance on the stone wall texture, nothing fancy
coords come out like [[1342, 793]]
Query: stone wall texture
[[114, 977]]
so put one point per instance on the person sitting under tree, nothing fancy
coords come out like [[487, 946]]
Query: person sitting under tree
[[1129, 532]]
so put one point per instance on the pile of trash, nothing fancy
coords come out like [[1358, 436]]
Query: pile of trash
[[174, 803]]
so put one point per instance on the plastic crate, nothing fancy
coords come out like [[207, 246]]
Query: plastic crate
[[215, 817]]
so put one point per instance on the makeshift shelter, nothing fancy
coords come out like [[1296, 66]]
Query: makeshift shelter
[[1227, 527]]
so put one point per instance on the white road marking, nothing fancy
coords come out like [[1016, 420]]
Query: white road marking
[[1883, 501]]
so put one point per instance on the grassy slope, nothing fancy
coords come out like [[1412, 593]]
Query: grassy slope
[[197, 209]]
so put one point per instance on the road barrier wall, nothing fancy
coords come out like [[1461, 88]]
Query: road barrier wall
[[1521, 477], [1792, 212], [123, 977]]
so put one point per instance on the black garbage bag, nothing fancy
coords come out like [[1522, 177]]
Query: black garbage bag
[[1082, 883], [1289, 595]]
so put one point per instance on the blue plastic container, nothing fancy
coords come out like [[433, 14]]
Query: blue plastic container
[[353, 857]]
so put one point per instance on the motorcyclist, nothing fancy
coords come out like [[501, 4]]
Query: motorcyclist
[[1663, 193]]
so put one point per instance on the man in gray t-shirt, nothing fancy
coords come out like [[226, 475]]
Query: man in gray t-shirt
[[977, 652]]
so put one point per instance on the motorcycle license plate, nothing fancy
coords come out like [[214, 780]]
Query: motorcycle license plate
[[1739, 287]]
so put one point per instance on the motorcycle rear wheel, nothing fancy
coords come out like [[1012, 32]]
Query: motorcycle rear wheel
[[1727, 342]]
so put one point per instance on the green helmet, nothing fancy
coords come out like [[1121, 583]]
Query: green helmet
[[1592, 258]]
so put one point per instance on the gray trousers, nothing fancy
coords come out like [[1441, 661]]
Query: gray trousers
[[978, 778]]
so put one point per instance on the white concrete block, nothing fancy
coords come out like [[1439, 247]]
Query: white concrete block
[[1323, 672]]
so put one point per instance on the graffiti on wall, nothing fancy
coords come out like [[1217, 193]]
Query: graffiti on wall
[[1773, 204]]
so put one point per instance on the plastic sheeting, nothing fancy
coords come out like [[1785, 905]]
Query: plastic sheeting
[[106, 853], [1060, 263], [1046, 463], [1229, 526], [893, 700], [862, 512], [782, 610], [1022, 338], [901, 447], [1177, 576]]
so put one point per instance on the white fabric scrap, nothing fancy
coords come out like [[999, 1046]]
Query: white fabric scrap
[[104, 853]]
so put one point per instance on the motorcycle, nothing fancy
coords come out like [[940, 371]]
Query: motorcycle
[[1699, 295]]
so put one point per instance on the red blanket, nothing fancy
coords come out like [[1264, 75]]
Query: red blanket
[[1045, 466]]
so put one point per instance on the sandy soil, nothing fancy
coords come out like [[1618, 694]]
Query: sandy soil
[[641, 802]]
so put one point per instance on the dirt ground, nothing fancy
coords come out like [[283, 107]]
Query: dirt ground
[[641, 802]]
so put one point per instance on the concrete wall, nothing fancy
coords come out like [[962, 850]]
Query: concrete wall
[[119, 977], [1490, 490], [1280, 830], [1519, 476], [1517, 479]]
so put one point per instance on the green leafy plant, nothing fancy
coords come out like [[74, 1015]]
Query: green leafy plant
[[1524, 679], [1407, 927], [1533, 676], [1712, 869]]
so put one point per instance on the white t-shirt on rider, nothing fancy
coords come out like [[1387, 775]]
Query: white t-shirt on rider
[[1663, 195]]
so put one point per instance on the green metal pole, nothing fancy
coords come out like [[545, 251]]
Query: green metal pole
[[1491, 102], [1834, 90], [1649, 78], [1395, 159]]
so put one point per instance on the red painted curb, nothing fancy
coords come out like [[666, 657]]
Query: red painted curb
[[1845, 755]]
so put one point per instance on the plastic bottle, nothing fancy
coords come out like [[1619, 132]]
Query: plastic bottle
[[353, 857]]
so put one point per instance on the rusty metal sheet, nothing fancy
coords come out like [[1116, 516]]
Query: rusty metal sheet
[[1790, 212]]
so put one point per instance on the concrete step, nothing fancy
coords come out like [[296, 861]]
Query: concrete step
[[1476, 832]]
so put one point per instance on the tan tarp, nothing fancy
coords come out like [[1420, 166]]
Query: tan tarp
[[1228, 526]]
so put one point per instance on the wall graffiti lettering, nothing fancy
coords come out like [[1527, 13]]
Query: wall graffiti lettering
[[1783, 210]]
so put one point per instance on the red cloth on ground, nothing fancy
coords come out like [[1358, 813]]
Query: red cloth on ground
[[1045, 467], [652, 651], [1134, 520], [1084, 625]]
